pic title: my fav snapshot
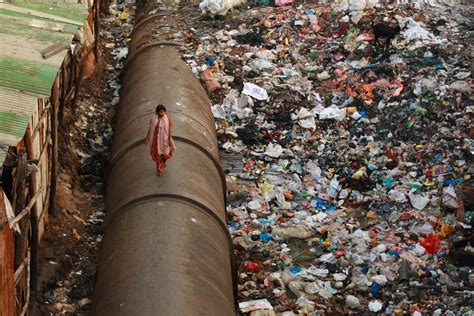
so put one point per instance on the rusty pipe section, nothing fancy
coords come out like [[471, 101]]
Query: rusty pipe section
[[166, 247]]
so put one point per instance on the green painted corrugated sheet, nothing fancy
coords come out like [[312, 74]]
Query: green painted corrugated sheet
[[23, 81], [13, 124], [65, 8], [26, 76], [16, 109]]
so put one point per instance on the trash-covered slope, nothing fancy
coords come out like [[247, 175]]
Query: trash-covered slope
[[349, 168]]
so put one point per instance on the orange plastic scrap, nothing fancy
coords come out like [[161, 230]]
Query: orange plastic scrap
[[368, 91], [371, 214], [351, 92]]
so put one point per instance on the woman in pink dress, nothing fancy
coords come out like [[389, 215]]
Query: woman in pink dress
[[160, 134]]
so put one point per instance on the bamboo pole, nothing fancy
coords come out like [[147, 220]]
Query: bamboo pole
[[27, 209], [96, 10], [54, 158], [19, 272], [19, 201], [24, 310]]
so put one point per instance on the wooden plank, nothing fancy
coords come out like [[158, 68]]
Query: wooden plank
[[39, 130], [43, 217], [38, 125], [63, 87], [19, 200], [46, 204], [43, 164], [43, 149], [54, 158], [53, 49], [96, 10], [34, 206], [27, 209], [55, 91]]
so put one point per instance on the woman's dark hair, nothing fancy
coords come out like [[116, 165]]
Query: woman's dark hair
[[160, 107]]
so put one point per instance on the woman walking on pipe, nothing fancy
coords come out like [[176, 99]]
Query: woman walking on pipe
[[160, 133]]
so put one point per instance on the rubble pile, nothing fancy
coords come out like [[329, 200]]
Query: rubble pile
[[349, 168]]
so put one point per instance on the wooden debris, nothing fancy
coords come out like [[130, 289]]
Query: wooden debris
[[80, 220], [53, 49]]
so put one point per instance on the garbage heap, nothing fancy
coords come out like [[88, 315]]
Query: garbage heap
[[349, 168]]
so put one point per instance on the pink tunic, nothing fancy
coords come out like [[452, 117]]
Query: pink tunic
[[161, 126]]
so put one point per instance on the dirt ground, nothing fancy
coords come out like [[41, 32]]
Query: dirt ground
[[69, 251]]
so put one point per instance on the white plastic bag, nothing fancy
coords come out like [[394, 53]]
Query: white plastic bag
[[219, 7], [418, 201], [416, 32], [332, 113], [357, 5], [255, 91], [274, 151]]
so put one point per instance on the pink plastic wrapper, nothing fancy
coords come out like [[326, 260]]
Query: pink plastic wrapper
[[339, 72], [366, 37], [315, 27], [283, 2], [449, 198]]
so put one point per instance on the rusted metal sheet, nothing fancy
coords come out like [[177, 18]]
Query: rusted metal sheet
[[7, 290], [166, 248]]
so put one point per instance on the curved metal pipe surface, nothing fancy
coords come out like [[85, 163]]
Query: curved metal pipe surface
[[166, 248]]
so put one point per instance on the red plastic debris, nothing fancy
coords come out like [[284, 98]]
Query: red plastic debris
[[253, 266], [431, 244]]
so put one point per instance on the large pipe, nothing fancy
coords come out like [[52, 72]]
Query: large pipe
[[166, 248]]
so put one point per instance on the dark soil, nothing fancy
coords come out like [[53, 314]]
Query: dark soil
[[69, 250]]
